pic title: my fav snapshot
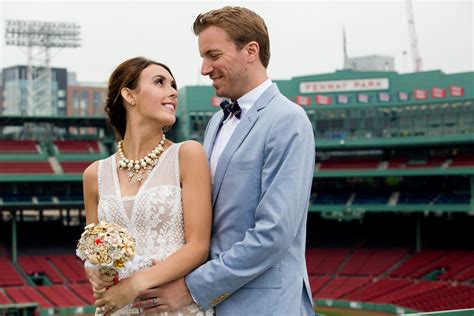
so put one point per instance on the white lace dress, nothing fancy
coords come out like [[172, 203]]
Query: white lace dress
[[154, 216]]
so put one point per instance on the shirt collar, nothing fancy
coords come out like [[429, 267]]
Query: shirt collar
[[247, 100]]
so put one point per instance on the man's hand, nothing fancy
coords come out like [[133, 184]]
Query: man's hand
[[166, 298]]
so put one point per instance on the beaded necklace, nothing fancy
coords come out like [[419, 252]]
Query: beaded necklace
[[140, 169]]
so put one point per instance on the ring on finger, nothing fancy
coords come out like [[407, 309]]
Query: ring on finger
[[155, 301]]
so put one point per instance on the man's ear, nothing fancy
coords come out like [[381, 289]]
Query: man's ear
[[253, 51], [128, 96]]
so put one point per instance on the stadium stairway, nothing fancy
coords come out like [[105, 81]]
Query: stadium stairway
[[55, 165]]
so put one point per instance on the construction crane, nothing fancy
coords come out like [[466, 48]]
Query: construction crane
[[417, 61]]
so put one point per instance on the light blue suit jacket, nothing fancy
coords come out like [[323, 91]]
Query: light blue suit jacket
[[260, 200]]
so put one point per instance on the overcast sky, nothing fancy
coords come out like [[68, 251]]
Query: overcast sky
[[306, 36]]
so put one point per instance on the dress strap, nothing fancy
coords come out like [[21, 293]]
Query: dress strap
[[176, 165], [99, 176]]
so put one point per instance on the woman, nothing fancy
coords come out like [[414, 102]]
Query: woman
[[160, 191]]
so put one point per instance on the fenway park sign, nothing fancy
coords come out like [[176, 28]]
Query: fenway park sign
[[344, 85]]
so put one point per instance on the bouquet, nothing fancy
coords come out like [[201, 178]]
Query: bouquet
[[107, 246]]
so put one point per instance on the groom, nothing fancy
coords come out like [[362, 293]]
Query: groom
[[261, 154]]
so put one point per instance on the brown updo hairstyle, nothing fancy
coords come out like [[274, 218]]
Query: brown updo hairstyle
[[126, 75]]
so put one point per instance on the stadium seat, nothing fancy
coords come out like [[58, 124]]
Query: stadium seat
[[69, 266], [25, 167], [60, 296], [39, 265], [463, 160], [341, 286], [18, 146], [349, 163], [4, 299], [76, 146], [412, 266], [75, 166], [84, 291], [376, 289], [372, 262], [322, 261], [8, 274], [28, 294], [317, 283]]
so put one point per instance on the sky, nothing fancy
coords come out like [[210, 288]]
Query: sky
[[305, 36]]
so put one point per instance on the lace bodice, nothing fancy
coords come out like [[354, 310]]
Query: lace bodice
[[154, 216]]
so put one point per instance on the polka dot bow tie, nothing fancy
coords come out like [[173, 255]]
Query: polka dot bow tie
[[231, 107]]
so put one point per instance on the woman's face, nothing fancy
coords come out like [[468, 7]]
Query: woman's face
[[156, 96]]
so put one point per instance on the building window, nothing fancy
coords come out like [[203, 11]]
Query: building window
[[96, 102], [84, 101], [75, 101]]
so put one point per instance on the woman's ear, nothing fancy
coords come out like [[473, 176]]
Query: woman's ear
[[128, 96]]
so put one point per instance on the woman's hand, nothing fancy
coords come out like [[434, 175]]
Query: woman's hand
[[99, 281], [118, 296]]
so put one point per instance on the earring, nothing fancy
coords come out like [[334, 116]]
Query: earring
[[133, 103]]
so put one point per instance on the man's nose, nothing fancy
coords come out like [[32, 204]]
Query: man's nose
[[206, 68]]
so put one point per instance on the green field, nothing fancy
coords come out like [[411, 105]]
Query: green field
[[329, 311]]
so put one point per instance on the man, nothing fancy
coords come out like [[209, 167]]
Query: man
[[261, 154]]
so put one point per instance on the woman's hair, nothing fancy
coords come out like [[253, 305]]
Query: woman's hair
[[126, 75], [241, 24]]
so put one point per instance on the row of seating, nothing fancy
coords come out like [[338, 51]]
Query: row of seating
[[448, 265], [417, 294], [61, 146], [39, 199], [73, 157], [74, 295], [75, 146], [452, 265], [20, 146], [59, 269], [394, 198], [42, 167], [368, 163]]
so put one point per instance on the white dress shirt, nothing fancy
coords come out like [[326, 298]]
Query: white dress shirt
[[230, 124]]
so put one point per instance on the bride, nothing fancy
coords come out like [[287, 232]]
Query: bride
[[159, 190]]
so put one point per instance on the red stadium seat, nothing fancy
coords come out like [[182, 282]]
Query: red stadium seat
[[18, 146], [8, 274], [26, 167], [76, 146]]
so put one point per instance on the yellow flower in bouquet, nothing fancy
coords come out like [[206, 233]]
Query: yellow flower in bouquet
[[107, 246]]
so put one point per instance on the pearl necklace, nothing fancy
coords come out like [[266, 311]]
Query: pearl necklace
[[147, 163]]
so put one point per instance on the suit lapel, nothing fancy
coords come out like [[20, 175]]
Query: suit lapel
[[239, 135]]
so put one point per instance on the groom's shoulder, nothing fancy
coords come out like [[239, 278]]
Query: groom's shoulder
[[285, 108]]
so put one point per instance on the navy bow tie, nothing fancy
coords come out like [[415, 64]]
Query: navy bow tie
[[231, 107]]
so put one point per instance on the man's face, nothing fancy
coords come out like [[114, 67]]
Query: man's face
[[223, 62]]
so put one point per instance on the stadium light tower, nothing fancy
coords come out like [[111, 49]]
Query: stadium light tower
[[39, 38], [417, 60]]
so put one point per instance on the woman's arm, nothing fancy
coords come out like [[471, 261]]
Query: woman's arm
[[98, 281], [91, 192], [197, 212]]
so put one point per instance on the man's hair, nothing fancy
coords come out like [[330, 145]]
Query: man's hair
[[241, 24]]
